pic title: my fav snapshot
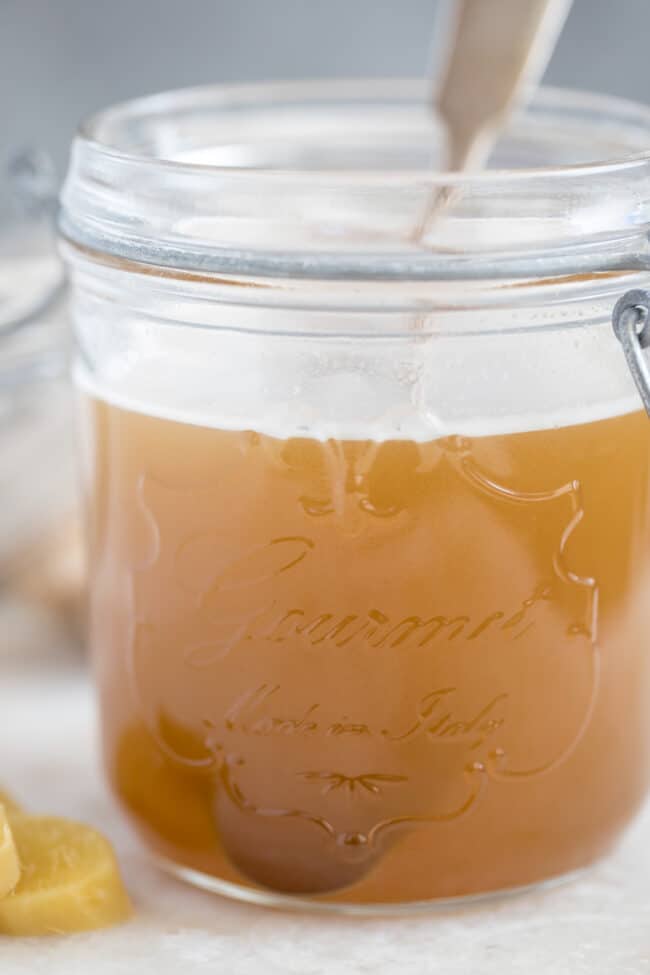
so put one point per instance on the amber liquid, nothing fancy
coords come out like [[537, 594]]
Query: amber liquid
[[373, 672]]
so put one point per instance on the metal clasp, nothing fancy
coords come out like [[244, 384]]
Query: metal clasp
[[631, 321]]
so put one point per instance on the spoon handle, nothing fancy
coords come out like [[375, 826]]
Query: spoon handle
[[499, 51]]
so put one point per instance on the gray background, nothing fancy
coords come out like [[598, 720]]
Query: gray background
[[60, 59]]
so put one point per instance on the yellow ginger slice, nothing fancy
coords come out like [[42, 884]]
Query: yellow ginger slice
[[9, 863], [70, 880]]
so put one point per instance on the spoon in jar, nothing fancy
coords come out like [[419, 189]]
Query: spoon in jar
[[498, 53]]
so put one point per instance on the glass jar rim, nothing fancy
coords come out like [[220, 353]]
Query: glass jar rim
[[95, 130], [136, 191]]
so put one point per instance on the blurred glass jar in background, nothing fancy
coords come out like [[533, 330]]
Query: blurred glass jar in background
[[40, 552]]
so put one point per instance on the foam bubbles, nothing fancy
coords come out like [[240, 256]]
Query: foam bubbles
[[406, 388]]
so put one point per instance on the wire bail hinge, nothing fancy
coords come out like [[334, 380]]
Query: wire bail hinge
[[631, 321]]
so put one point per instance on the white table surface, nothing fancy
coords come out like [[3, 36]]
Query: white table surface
[[48, 758]]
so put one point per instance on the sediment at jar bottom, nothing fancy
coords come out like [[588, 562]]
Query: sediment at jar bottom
[[373, 672]]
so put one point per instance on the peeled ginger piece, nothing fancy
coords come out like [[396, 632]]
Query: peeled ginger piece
[[9, 862], [70, 880]]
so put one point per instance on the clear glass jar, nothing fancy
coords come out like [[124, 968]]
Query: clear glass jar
[[368, 509]]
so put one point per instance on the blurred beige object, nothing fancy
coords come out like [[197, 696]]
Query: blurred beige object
[[51, 571], [9, 862], [9, 804], [41, 549]]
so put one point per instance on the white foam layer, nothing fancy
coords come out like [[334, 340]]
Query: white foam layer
[[420, 427], [406, 385]]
